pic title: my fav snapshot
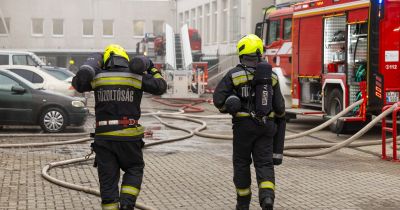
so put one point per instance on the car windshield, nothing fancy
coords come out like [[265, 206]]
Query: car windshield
[[61, 75]]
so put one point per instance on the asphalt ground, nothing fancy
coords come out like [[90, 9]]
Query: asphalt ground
[[196, 173]]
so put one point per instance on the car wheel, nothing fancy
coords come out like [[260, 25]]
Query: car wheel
[[53, 120], [335, 105]]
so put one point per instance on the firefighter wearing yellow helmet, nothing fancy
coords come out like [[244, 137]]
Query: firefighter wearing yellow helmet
[[118, 84], [250, 93]]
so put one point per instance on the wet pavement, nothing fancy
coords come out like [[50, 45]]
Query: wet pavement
[[196, 173]]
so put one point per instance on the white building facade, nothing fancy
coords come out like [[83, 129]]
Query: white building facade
[[221, 23], [81, 26]]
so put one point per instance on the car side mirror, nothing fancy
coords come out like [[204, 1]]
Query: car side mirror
[[18, 89]]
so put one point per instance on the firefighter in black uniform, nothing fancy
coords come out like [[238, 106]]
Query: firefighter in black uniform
[[254, 127], [118, 86]]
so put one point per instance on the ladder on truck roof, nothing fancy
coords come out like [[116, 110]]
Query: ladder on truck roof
[[182, 81]]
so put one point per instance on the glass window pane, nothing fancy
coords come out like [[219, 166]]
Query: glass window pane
[[214, 21], [58, 27], [37, 26], [6, 83], [108, 28], [88, 27], [273, 31], [7, 24], [287, 29], [37, 78], [20, 60], [158, 27], [28, 75], [4, 60], [31, 62], [138, 27], [59, 75]]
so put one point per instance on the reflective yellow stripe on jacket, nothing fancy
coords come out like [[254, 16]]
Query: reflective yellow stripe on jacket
[[245, 114], [137, 131], [241, 77], [156, 75], [117, 78]]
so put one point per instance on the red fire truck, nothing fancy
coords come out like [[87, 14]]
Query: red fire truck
[[332, 53]]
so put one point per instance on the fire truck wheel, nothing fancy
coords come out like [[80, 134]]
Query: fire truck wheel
[[335, 105]]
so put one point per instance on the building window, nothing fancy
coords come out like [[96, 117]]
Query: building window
[[200, 19], [108, 28], [87, 28], [224, 25], [235, 21], [207, 33], [214, 21], [37, 26], [187, 18], [138, 27], [180, 20], [193, 17], [5, 26], [158, 27], [58, 27]]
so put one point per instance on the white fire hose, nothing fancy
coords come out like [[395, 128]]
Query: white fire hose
[[298, 135], [180, 116], [96, 192]]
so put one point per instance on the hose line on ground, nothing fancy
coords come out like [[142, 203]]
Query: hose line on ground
[[41, 144], [347, 141], [92, 191], [294, 136]]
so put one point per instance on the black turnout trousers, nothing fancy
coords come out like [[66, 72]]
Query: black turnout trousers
[[252, 141], [111, 156]]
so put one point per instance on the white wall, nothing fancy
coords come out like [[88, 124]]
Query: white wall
[[250, 12], [123, 12]]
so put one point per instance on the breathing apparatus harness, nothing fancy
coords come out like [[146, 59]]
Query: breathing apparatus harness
[[262, 87]]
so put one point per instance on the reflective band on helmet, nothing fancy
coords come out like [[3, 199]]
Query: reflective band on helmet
[[242, 114], [277, 156], [137, 131], [267, 185], [110, 206], [243, 192], [126, 189]]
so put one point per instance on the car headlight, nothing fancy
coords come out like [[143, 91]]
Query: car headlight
[[78, 104]]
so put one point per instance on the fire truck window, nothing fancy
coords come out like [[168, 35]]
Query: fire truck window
[[287, 29], [273, 31], [195, 36]]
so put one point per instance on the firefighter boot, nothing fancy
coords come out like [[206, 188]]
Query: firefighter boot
[[267, 203], [126, 207], [267, 198], [243, 202]]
